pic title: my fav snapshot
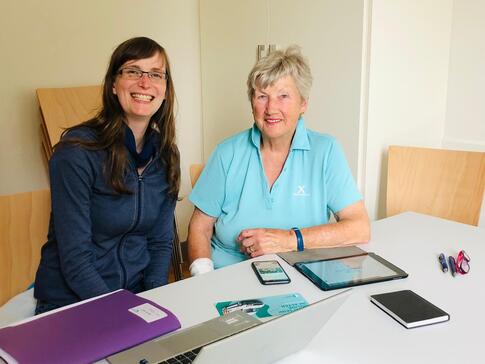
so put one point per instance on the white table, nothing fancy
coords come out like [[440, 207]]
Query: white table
[[360, 332]]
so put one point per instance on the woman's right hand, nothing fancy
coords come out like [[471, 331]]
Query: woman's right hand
[[260, 241]]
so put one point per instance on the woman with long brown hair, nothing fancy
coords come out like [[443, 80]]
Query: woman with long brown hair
[[114, 184]]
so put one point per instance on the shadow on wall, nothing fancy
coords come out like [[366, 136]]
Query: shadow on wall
[[481, 221], [381, 203]]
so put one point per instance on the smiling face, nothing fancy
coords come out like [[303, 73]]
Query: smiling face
[[141, 98], [276, 110]]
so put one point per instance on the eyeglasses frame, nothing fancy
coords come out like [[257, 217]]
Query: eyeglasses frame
[[164, 75]]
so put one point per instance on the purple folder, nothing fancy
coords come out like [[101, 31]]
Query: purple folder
[[85, 333]]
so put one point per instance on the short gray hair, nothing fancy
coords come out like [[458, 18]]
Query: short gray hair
[[279, 64]]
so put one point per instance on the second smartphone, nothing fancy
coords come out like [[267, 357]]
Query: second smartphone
[[270, 272]]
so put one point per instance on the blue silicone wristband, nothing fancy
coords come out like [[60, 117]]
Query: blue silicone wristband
[[299, 239]]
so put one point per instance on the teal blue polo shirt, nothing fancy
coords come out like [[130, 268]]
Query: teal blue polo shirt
[[315, 182]]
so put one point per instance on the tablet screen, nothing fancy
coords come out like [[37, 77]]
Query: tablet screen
[[351, 271]]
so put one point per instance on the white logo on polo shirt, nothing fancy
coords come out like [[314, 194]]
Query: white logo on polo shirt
[[300, 192]]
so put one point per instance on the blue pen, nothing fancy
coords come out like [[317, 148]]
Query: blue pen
[[444, 266], [452, 263]]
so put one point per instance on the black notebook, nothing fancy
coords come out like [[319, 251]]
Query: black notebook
[[409, 309]]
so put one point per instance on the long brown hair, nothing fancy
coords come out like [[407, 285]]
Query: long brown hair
[[108, 123]]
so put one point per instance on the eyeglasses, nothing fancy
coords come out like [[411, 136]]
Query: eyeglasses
[[462, 262], [129, 73]]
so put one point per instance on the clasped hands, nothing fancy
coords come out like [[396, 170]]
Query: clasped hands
[[260, 241]]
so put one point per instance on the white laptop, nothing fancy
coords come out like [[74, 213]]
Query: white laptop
[[251, 341]]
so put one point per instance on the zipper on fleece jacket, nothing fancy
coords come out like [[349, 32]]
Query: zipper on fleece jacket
[[135, 222]]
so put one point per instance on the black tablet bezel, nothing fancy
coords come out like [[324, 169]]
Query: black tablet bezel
[[399, 274]]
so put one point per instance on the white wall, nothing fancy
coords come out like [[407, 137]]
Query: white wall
[[408, 73], [465, 117], [58, 43]]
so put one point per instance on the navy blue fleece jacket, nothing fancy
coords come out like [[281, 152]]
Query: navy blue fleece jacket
[[99, 240]]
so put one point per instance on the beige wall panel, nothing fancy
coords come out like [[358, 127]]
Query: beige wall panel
[[229, 33], [330, 33]]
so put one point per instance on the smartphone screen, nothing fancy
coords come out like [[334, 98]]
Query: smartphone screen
[[270, 272]]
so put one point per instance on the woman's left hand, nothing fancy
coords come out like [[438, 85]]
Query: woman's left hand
[[256, 242]]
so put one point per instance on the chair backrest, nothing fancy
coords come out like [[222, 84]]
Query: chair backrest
[[195, 171], [443, 183], [65, 107], [24, 220], [180, 256]]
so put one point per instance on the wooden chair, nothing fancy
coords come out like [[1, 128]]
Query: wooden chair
[[65, 107], [194, 171], [443, 183], [24, 220]]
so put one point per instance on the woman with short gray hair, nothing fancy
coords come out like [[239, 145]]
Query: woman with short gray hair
[[279, 64], [272, 188]]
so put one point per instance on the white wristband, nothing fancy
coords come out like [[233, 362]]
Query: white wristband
[[201, 266]]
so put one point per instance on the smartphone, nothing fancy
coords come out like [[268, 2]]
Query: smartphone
[[270, 272]]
